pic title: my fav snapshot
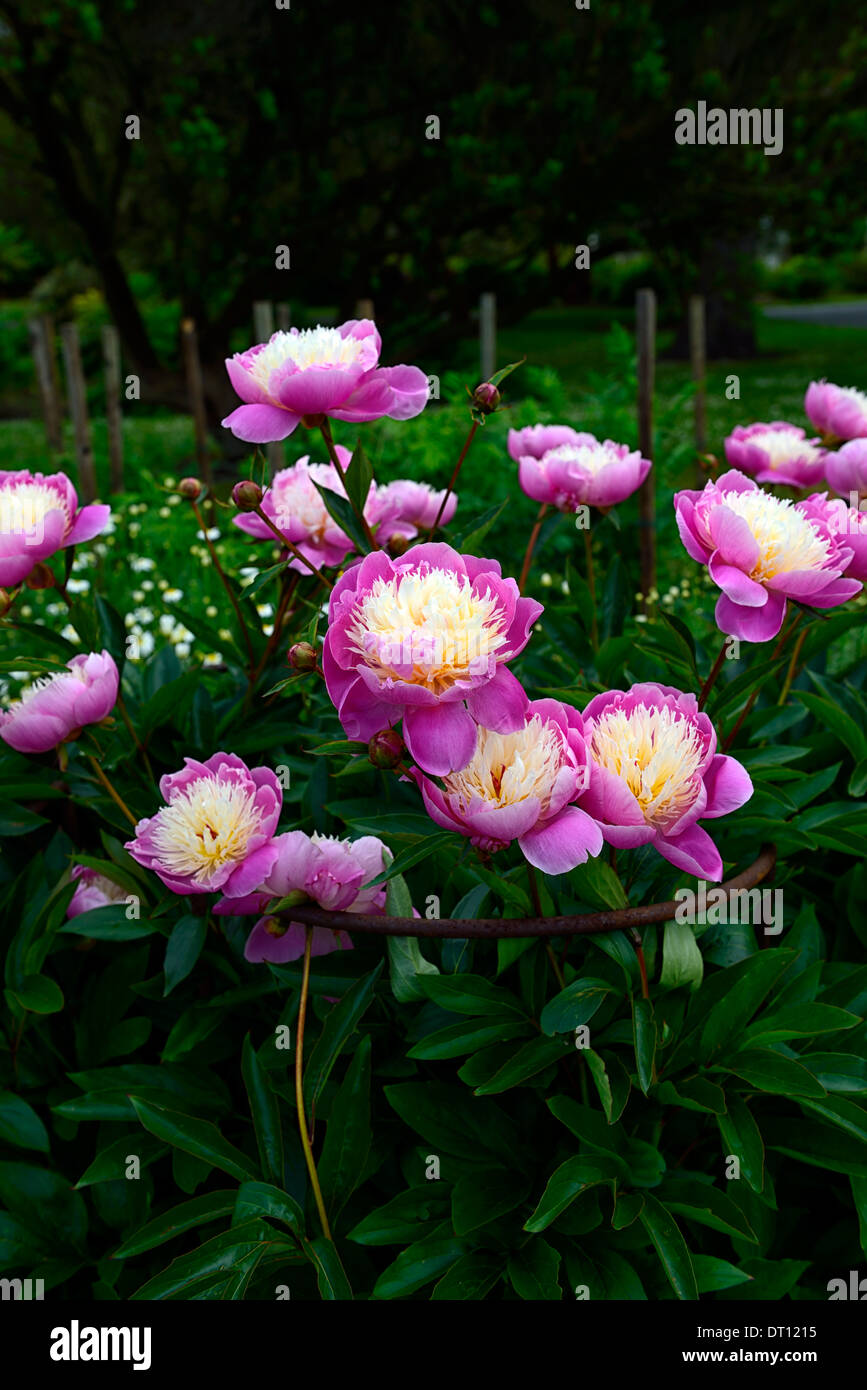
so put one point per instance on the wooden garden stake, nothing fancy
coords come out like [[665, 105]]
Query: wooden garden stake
[[77, 393], [193, 371], [113, 416], [42, 347], [488, 335]]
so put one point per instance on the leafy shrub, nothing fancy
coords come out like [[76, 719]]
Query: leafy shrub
[[471, 1142]]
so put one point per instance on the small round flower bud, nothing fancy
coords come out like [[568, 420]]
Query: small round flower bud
[[486, 398], [247, 495], [397, 544], [302, 657], [386, 749], [190, 488], [40, 577]]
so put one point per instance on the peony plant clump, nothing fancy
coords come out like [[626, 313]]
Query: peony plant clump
[[416, 867]]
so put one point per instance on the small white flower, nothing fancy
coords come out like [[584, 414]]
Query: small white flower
[[164, 511], [167, 624], [141, 562], [70, 634], [212, 659], [183, 648], [173, 595], [211, 611], [213, 534]]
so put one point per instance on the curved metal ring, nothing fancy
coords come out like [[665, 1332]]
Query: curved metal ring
[[494, 927]]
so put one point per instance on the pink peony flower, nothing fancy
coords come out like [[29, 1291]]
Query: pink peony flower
[[40, 515], [298, 512], [319, 371], [846, 469], [426, 638], [567, 470], [331, 872], [776, 453], [840, 412], [216, 831], [656, 773], [847, 523], [403, 508], [521, 786], [56, 708], [94, 890], [761, 550]]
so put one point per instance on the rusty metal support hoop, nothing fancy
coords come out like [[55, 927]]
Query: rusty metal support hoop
[[492, 928]]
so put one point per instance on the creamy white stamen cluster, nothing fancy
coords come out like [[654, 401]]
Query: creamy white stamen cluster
[[431, 619], [786, 538], [784, 446], [656, 752], [63, 679], [23, 506], [312, 347], [208, 825], [589, 458], [509, 768]]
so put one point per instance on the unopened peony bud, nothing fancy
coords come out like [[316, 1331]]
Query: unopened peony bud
[[486, 398], [247, 495], [40, 577], [386, 749], [302, 657], [191, 488]]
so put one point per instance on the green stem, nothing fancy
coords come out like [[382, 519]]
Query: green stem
[[284, 540], [531, 546], [457, 468], [359, 512], [715, 670], [591, 584], [225, 583], [299, 1087]]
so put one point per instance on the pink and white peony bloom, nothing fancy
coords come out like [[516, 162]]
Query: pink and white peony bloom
[[840, 412], [846, 468], [847, 523], [426, 638], [656, 773], [567, 469], [299, 513], [93, 890], [761, 550], [216, 831], [776, 453], [316, 372], [404, 507], [522, 786], [39, 515], [56, 708], [331, 872]]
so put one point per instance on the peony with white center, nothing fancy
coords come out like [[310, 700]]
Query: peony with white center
[[587, 458], [210, 824], [510, 768], [656, 752], [785, 446], [311, 347], [786, 537], [24, 506], [432, 620], [294, 498]]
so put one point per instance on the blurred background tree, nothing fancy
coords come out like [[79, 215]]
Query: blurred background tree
[[307, 127]]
